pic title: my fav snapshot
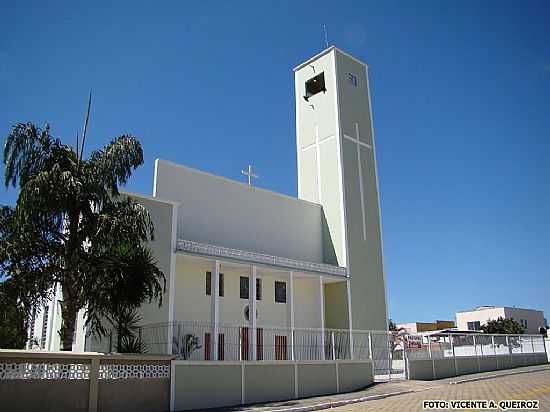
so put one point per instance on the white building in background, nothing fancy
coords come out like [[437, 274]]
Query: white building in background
[[230, 249], [530, 319], [46, 322]]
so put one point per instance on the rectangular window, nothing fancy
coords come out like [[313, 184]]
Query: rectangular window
[[352, 79], [208, 283], [221, 346], [474, 325], [280, 292], [244, 287], [280, 347], [258, 289], [259, 344], [207, 346], [45, 329], [315, 85], [244, 343], [31, 327]]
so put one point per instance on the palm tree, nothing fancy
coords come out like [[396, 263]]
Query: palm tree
[[131, 270], [69, 207]]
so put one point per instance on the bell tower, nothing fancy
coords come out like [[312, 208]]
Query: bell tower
[[337, 169]]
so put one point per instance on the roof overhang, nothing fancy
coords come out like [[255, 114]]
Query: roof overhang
[[213, 251]]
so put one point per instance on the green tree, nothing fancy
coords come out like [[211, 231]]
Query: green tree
[[124, 291], [68, 219], [13, 319], [501, 325]]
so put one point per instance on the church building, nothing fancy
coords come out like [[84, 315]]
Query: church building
[[253, 274]]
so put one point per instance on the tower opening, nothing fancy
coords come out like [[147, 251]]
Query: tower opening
[[315, 85]]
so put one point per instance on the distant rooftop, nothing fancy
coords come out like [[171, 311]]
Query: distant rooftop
[[488, 307]]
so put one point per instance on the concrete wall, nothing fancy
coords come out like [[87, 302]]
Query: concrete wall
[[223, 212], [84, 390], [429, 369], [208, 385], [123, 395], [25, 395]]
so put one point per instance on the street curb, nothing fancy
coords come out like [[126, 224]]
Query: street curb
[[335, 404], [482, 378]]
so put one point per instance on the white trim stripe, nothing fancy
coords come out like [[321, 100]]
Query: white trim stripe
[[343, 213], [357, 141], [172, 281], [298, 160], [361, 190], [318, 155], [315, 144]]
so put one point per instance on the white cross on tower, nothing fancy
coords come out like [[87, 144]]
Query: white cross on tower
[[250, 174], [359, 143]]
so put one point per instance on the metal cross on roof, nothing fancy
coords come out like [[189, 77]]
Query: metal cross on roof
[[250, 174]]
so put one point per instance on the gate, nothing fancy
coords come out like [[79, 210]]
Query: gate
[[387, 350]]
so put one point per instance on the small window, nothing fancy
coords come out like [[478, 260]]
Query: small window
[[280, 292], [208, 283], [352, 79], [258, 289], [315, 85], [45, 329], [244, 287], [523, 322], [220, 286], [474, 325], [280, 347]]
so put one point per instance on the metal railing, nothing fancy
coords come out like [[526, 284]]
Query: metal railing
[[453, 345], [195, 341]]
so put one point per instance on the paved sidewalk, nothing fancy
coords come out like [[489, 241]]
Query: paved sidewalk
[[386, 390], [533, 386]]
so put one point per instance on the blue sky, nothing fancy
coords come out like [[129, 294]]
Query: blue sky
[[461, 102]]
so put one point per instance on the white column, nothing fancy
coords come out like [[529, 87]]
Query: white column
[[350, 319], [477, 357], [252, 312], [451, 337], [322, 315], [290, 313], [52, 318], [215, 288]]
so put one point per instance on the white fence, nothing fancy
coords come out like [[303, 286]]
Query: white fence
[[201, 341], [439, 346], [196, 341]]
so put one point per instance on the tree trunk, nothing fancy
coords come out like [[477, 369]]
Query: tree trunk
[[69, 313], [69, 309], [119, 338]]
